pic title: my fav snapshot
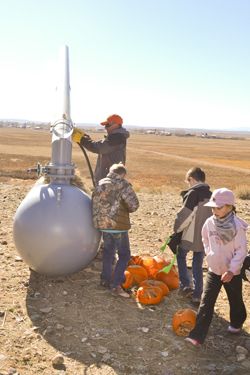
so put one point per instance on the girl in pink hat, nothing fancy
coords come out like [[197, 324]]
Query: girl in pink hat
[[225, 244]]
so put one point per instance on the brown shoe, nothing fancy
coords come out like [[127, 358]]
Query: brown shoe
[[105, 283], [118, 291]]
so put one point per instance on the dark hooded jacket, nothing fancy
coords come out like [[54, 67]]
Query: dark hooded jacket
[[191, 217], [110, 150]]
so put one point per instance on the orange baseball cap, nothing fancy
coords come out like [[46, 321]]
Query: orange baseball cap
[[116, 119]]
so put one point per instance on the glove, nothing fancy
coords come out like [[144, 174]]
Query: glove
[[77, 135]]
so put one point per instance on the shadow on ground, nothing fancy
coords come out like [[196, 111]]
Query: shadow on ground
[[84, 322]]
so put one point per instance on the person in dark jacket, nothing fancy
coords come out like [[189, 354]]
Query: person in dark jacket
[[189, 221], [110, 150]]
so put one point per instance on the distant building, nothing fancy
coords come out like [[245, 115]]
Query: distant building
[[165, 133]]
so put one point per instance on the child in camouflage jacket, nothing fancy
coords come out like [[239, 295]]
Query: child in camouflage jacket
[[113, 199]]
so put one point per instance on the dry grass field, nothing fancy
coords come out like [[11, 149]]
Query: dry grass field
[[93, 332], [155, 163]]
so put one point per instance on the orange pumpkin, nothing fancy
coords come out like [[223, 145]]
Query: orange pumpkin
[[149, 295], [156, 283], [153, 264], [150, 265], [135, 259], [171, 278], [139, 273], [161, 262], [183, 321], [128, 280]]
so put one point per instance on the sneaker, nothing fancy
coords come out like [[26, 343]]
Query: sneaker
[[193, 341], [105, 284], [186, 291], [231, 329], [195, 301], [118, 291]]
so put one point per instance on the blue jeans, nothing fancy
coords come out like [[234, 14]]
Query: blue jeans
[[206, 309], [115, 242], [196, 270]]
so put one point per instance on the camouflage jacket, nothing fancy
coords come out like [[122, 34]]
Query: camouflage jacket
[[113, 199]]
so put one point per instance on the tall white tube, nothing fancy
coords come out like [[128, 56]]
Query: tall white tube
[[61, 169]]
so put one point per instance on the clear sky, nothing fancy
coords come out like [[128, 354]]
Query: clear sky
[[171, 63]]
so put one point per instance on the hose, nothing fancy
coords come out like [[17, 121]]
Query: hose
[[88, 162]]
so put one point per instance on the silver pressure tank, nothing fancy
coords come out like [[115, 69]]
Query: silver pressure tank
[[53, 230]]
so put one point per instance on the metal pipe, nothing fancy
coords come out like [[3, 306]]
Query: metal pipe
[[61, 169]]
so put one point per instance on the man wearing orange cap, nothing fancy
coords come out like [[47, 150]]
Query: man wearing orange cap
[[110, 150]]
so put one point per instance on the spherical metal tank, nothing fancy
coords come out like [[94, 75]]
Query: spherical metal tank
[[53, 230]]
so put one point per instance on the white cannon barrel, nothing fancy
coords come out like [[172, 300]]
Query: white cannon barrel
[[61, 169]]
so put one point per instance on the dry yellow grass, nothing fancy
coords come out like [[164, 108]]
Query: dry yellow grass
[[154, 163], [95, 332]]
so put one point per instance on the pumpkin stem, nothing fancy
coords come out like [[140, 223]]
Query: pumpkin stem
[[167, 268]]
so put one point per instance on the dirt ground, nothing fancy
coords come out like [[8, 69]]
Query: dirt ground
[[93, 332]]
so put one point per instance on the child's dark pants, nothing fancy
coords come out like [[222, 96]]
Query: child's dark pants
[[209, 297], [115, 242]]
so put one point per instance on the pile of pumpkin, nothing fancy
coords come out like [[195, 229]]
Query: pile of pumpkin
[[144, 273]]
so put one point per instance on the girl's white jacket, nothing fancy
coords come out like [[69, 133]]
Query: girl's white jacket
[[224, 257]]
